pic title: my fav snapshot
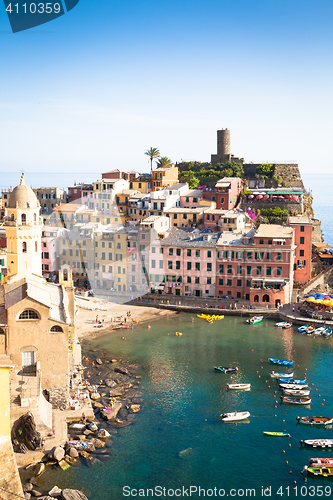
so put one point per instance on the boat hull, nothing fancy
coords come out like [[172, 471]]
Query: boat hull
[[295, 401], [295, 381], [236, 387], [276, 434], [293, 386], [315, 420], [283, 362], [317, 443], [296, 394], [226, 369], [235, 416], [280, 375]]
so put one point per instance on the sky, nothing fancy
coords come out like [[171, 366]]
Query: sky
[[95, 88]]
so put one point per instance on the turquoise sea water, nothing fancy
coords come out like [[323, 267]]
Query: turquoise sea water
[[180, 441]]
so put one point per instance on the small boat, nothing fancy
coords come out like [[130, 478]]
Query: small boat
[[296, 387], [316, 462], [178, 334], [327, 332], [295, 401], [296, 393], [226, 369], [310, 330], [296, 381], [277, 434], [239, 386], [317, 443], [319, 331], [281, 324], [283, 362], [254, 320], [319, 471], [315, 420], [303, 328], [234, 416], [288, 325], [279, 375]]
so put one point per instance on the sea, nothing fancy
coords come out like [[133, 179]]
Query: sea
[[178, 447]]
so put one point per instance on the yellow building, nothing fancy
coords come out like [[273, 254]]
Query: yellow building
[[165, 176], [142, 184], [110, 260]]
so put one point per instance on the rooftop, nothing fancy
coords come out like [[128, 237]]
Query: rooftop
[[235, 237], [300, 220], [274, 231], [193, 192], [177, 210], [179, 237]]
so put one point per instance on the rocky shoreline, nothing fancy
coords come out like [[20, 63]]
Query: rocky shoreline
[[113, 387]]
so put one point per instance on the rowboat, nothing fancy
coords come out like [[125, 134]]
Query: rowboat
[[226, 369], [178, 334], [319, 331], [315, 420], [293, 386], [281, 324], [296, 393], [303, 328], [317, 443], [239, 386], [319, 471], [309, 330], [284, 362], [277, 434], [295, 401], [316, 462], [287, 325], [279, 375], [234, 416], [327, 332], [296, 381], [254, 320]]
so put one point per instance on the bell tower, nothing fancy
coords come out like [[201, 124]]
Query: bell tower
[[23, 232]]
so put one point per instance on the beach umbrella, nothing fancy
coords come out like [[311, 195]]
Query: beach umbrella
[[281, 197], [310, 299], [259, 197], [250, 196], [326, 297], [326, 302], [266, 197]]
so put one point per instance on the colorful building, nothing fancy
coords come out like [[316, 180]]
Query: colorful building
[[303, 251], [225, 193], [164, 177]]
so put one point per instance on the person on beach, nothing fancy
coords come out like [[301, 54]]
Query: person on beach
[[84, 418], [97, 318]]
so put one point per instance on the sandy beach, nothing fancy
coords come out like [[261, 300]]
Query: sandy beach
[[93, 316]]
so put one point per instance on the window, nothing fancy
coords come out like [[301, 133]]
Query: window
[[56, 329], [161, 249], [248, 282], [221, 268], [188, 279], [197, 280], [110, 256], [220, 281], [248, 270], [258, 270], [197, 266], [270, 242], [261, 242], [301, 240], [178, 251], [209, 266], [302, 229], [24, 247], [170, 251], [222, 200], [239, 282], [175, 216], [188, 252], [29, 314], [133, 268], [269, 256], [207, 216], [161, 264], [301, 253], [279, 256], [118, 246], [279, 271], [239, 270], [153, 264], [169, 264], [229, 271], [103, 244], [249, 255], [177, 264], [153, 249], [229, 282], [197, 253], [189, 266]]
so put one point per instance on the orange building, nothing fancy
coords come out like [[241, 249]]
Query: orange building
[[165, 176], [303, 252]]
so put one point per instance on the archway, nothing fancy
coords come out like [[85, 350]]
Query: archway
[[256, 298], [265, 298]]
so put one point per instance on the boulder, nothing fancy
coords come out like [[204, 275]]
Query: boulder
[[111, 413], [99, 361], [95, 395], [27, 487], [134, 408], [87, 432], [114, 360], [72, 452], [110, 383], [98, 443], [121, 369], [114, 393], [58, 453], [92, 461], [55, 491], [128, 385], [97, 405], [68, 494], [35, 493], [27, 495], [103, 434]]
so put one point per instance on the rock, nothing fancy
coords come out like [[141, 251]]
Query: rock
[[110, 383], [99, 361], [72, 452], [138, 376], [83, 453], [55, 491], [87, 432], [58, 453], [68, 494], [92, 461], [103, 434], [37, 481], [114, 393], [134, 408], [121, 369], [111, 413], [95, 395], [39, 469], [27, 495], [114, 360], [127, 386], [36, 493], [186, 453], [70, 460], [79, 437], [97, 405], [98, 443], [27, 487], [123, 413]]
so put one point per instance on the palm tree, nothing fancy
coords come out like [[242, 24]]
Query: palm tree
[[152, 153], [164, 161]]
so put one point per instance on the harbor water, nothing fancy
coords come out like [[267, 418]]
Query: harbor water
[[179, 440]]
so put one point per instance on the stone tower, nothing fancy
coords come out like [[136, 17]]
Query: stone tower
[[223, 147], [23, 232]]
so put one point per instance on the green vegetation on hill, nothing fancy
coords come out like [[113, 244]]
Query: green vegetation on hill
[[197, 174], [274, 215]]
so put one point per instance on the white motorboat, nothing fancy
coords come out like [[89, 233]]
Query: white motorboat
[[297, 387], [235, 416], [296, 393], [239, 386], [281, 375]]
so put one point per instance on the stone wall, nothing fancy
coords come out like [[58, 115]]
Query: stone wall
[[317, 235], [294, 208], [290, 174], [9, 476]]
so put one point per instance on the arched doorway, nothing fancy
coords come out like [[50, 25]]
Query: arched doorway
[[265, 298], [277, 303], [256, 298]]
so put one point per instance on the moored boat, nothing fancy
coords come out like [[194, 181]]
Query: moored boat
[[295, 401], [320, 461], [284, 362], [317, 443], [254, 320], [234, 416], [295, 381], [287, 325], [310, 330], [293, 386], [315, 420], [281, 324], [327, 333], [296, 393], [239, 386], [226, 369], [319, 331], [279, 375], [303, 328], [277, 434], [320, 471]]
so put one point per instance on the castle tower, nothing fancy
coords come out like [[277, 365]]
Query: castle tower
[[223, 147], [23, 232]]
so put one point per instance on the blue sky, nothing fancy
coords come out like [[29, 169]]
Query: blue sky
[[95, 88]]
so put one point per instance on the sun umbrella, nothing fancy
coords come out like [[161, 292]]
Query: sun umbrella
[[266, 197], [311, 299], [250, 196], [259, 197]]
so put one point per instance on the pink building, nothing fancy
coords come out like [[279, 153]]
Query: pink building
[[121, 173], [225, 220], [80, 193], [256, 265], [190, 262], [303, 252], [191, 199], [225, 193], [51, 250]]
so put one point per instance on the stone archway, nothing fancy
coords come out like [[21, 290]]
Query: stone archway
[[256, 298], [265, 298]]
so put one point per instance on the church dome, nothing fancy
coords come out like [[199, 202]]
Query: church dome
[[23, 197]]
